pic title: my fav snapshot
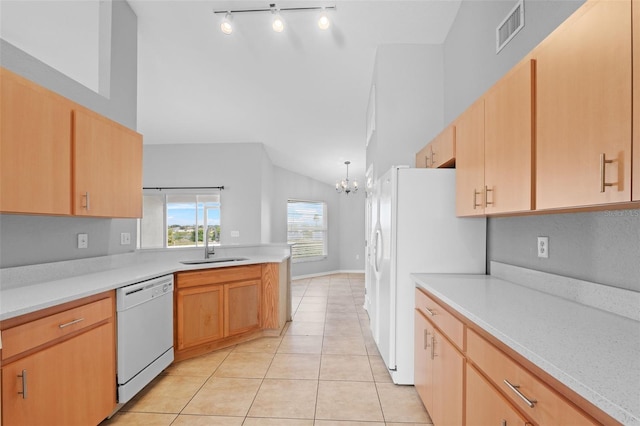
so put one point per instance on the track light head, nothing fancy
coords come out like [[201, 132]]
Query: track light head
[[324, 22], [226, 26], [278, 23]]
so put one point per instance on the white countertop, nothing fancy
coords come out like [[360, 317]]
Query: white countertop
[[594, 352], [31, 288]]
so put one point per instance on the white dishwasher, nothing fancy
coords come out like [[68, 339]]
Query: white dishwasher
[[145, 333]]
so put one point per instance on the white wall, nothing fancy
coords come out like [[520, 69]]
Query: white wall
[[239, 168], [409, 103], [471, 65]]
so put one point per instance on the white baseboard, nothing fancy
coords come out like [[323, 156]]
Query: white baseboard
[[323, 274]]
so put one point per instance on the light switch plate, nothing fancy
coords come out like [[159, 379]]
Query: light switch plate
[[83, 241]]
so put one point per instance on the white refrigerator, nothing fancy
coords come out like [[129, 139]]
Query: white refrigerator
[[414, 230]]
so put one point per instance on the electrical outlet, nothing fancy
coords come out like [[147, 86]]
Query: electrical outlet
[[83, 241], [125, 238], [235, 234], [543, 247]]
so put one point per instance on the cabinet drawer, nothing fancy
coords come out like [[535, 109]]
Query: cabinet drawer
[[441, 318], [548, 407], [38, 332], [218, 275], [485, 405]]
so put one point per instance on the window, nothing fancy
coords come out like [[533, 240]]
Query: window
[[307, 228], [178, 218]]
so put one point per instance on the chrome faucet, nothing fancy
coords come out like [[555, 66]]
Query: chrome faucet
[[208, 252]]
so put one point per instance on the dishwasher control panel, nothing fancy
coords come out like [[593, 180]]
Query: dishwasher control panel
[[138, 293]]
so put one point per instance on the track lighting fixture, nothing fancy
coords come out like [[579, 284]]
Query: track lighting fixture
[[278, 23], [226, 26], [324, 21]]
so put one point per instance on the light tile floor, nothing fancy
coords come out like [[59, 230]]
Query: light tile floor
[[325, 370]]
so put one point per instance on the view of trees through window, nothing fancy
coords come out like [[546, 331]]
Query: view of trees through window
[[179, 220], [307, 228]]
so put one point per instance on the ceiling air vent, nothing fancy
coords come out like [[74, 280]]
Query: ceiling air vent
[[510, 26]]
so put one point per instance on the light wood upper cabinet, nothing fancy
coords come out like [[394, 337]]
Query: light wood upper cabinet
[[108, 167], [58, 158], [440, 152], [508, 142], [635, 185], [584, 108], [470, 161], [35, 148]]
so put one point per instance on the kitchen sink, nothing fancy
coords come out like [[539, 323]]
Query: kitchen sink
[[213, 260]]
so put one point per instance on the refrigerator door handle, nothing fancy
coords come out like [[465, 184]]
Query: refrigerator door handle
[[377, 249]]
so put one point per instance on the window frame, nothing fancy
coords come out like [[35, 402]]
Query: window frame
[[324, 229], [165, 193]]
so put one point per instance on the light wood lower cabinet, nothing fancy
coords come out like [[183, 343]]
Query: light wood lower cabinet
[[215, 306], [439, 370], [199, 315], [486, 407], [533, 397], [60, 380], [463, 378], [242, 307]]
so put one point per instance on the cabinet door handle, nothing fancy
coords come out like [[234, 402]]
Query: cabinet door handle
[[603, 163], [426, 161], [433, 346], [486, 196], [433, 154], [87, 200], [425, 339], [530, 402], [430, 312], [24, 384], [475, 199], [67, 324]]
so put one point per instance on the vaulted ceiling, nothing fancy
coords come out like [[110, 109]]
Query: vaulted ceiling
[[303, 93]]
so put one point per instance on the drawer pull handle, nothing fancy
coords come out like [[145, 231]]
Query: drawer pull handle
[[24, 384], [603, 163], [530, 402], [75, 321], [430, 312]]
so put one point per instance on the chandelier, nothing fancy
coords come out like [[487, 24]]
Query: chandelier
[[346, 186]]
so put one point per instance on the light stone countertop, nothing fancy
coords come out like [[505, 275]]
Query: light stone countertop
[[594, 352], [28, 289]]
